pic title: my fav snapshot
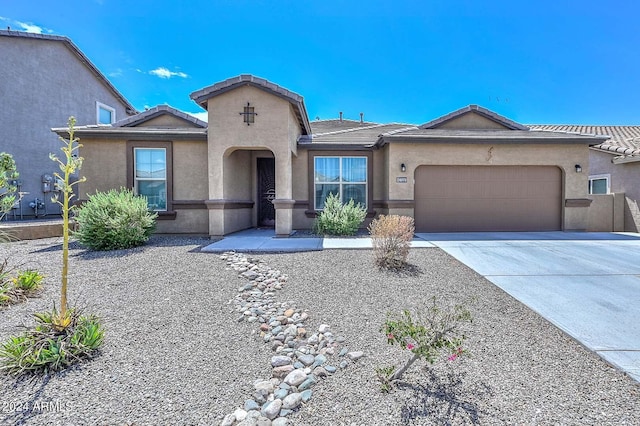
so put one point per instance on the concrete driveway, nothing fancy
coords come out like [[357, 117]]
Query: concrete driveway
[[587, 284]]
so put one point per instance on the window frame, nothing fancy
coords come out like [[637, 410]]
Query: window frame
[[137, 180], [606, 177], [99, 106], [169, 213], [357, 153]]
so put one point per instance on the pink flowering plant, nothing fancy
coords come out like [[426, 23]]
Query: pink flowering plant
[[432, 335]]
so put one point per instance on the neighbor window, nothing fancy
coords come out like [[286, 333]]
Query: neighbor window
[[345, 176], [599, 184], [150, 172], [105, 114]]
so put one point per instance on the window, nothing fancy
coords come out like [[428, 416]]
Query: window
[[249, 114], [105, 114], [599, 184], [345, 176], [150, 176]]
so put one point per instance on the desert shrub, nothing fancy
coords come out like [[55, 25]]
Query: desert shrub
[[48, 348], [391, 239], [16, 289], [338, 218], [117, 219], [429, 334]]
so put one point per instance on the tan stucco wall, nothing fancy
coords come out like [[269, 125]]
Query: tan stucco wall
[[624, 178], [187, 221], [273, 130], [190, 170], [471, 120], [563, 156], [104, 166], [606, 213], [381, 175]]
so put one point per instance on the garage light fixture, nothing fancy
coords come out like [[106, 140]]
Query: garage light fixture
[[578, 168], [403, 168]]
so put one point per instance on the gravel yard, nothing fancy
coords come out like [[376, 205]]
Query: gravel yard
[[175, 354]]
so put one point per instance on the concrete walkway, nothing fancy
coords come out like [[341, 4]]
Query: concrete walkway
[[264, 240], [587, 284]]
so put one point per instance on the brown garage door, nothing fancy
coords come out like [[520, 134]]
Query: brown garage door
[[487, 198]]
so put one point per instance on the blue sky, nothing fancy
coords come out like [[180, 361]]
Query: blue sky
[[542, 62]]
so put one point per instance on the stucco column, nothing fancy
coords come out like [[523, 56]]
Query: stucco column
[[284, 217], [216, 190], [283, 202]]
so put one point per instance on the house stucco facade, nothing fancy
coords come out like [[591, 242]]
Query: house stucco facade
[[260, 162]]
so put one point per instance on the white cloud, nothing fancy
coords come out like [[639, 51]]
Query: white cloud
[[204, 116], [116, 73], [29, 27], [163, 72]]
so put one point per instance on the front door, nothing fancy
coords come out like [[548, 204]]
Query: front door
[[266, 192]]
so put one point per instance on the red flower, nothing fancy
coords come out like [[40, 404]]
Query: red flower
[[410, 346]]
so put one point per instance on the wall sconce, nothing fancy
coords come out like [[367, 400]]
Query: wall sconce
[[403, 168], [578, 168]]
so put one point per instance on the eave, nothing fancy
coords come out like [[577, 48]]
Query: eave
[[127, 133]]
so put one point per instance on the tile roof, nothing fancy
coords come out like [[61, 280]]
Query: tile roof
[[201, 96], [417, 134], [623, 140], [81, 57], [158, 111], [510, 124], [326, 126], [365, 134]]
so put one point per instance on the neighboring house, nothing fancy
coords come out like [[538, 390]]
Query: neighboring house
[[260, 162], [614, 166], [44, 79]]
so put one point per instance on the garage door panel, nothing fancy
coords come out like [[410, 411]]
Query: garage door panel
[[491, 198]]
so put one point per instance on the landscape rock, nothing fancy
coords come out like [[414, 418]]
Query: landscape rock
[[354, 356], [271, 409], [292, 401], [295, 378]]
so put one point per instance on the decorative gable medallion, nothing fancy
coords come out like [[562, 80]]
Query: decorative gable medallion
[[249, 114]]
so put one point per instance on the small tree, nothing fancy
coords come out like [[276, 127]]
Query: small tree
[[70, 164], [8, 174], [426, 337]]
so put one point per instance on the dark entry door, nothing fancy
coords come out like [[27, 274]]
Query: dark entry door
[[266, 191]]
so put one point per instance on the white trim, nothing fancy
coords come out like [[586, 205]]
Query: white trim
[[99, 106], [606, 177]]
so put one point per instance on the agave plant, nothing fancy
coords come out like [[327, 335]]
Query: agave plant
[[68, 166], [47, 348]]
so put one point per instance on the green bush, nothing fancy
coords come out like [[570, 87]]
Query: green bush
[[338, 218], [114, 220], [47, 348], [8, 174], [391, 239]]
